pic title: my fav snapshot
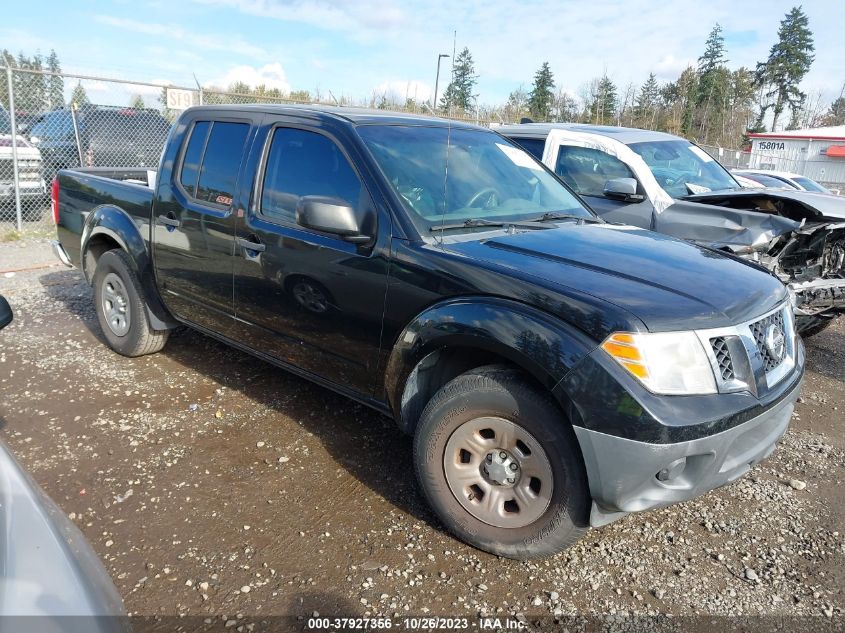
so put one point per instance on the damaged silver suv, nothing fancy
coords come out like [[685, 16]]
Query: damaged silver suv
[[670, 185]]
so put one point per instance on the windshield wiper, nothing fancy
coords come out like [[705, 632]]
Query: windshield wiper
[[475, 222], [551, 216]]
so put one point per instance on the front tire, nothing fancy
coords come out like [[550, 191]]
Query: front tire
[[121, 308], [500, 465]]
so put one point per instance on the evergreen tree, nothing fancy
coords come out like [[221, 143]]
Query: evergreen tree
[[55, 82], [603, 105], [79, 96], [137, 102], [789, 61], [648, 99], [541, 97], [714, 52], [714, 82], [459, 91]]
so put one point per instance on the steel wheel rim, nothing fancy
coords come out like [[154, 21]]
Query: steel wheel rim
[[481, 484], [115, 302], [310, 297]]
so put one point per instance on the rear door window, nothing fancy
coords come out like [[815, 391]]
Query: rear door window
[[587, 170], [212, 160]]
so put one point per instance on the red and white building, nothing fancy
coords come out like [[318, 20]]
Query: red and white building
[[817, 153]]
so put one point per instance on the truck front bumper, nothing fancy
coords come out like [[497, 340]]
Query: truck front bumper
[[629, 476], [644, 451]]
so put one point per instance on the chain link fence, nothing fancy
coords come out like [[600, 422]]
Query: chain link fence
[[51, 121], [729, 158]]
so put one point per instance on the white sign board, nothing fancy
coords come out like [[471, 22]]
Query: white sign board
[[178, 99]]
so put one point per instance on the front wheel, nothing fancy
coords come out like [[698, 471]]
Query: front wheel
[[500, 465], [121, 308]]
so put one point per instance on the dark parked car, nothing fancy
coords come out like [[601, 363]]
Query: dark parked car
[[665, 183], [109, 137], [48, 571], [556, 371]]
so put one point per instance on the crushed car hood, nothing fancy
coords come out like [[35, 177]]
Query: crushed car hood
[[668, 284], [816, 206]]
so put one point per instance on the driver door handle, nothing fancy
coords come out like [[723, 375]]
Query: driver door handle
[[168, 220], [251, 243]]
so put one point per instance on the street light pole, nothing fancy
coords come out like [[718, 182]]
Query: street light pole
[[437, 80]]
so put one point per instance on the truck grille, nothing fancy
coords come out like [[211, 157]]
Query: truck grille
[[723, 357], [758, 331]]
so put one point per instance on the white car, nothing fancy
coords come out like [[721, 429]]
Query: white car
[[781, 180], [30, 168]]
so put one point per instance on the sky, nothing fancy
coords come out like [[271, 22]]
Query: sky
[[356, 48]]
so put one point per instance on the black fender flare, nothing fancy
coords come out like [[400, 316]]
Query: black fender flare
[[115, 223], [539, 343]]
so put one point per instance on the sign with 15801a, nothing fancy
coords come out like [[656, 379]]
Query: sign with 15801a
[[178, 99]]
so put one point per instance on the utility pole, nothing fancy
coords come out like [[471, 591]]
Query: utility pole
[[437, 80]]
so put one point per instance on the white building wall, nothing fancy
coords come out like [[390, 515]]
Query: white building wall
[[801, 156]]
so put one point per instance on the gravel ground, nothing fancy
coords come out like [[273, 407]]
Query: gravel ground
[[211, 483]]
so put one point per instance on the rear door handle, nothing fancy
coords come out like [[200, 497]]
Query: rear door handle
[[168, 221], [251, 244]]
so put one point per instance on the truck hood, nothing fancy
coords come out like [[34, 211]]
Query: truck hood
[[798, 204], [666, 283]]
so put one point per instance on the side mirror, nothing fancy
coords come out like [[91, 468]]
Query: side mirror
[[335, 216], [624, 189], [5, 312]]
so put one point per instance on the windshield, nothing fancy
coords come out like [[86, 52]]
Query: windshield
[[810, 185], [768, 181], [5, 122], [449, 176], [53, 126], [683, 169]]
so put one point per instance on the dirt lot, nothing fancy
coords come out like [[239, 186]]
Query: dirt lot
[[212, 483]]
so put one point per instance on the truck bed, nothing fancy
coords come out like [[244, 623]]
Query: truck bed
[[83, 190]]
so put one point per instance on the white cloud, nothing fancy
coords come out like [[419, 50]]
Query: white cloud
[[226, 42], [269, 75], [343, 15]]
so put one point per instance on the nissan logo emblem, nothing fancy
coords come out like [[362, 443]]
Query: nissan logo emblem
[[775, 341]]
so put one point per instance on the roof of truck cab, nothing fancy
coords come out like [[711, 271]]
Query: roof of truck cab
[[357, 116], [626, 135]]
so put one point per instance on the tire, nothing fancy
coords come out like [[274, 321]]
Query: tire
[[121, 308], [811, 326], [556, 511]]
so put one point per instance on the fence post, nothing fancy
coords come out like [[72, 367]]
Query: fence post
[[12, 117]]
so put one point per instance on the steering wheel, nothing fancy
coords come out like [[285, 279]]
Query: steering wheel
[[491, 194]]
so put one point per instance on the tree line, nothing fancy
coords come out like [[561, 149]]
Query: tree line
[[709, 101]]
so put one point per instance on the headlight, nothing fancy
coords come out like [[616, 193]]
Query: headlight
[[672, 363]]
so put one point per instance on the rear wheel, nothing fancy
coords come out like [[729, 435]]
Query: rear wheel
[[500, 465], [121, 308]]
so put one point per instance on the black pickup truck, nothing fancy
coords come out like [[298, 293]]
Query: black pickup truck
[[556, 371]]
